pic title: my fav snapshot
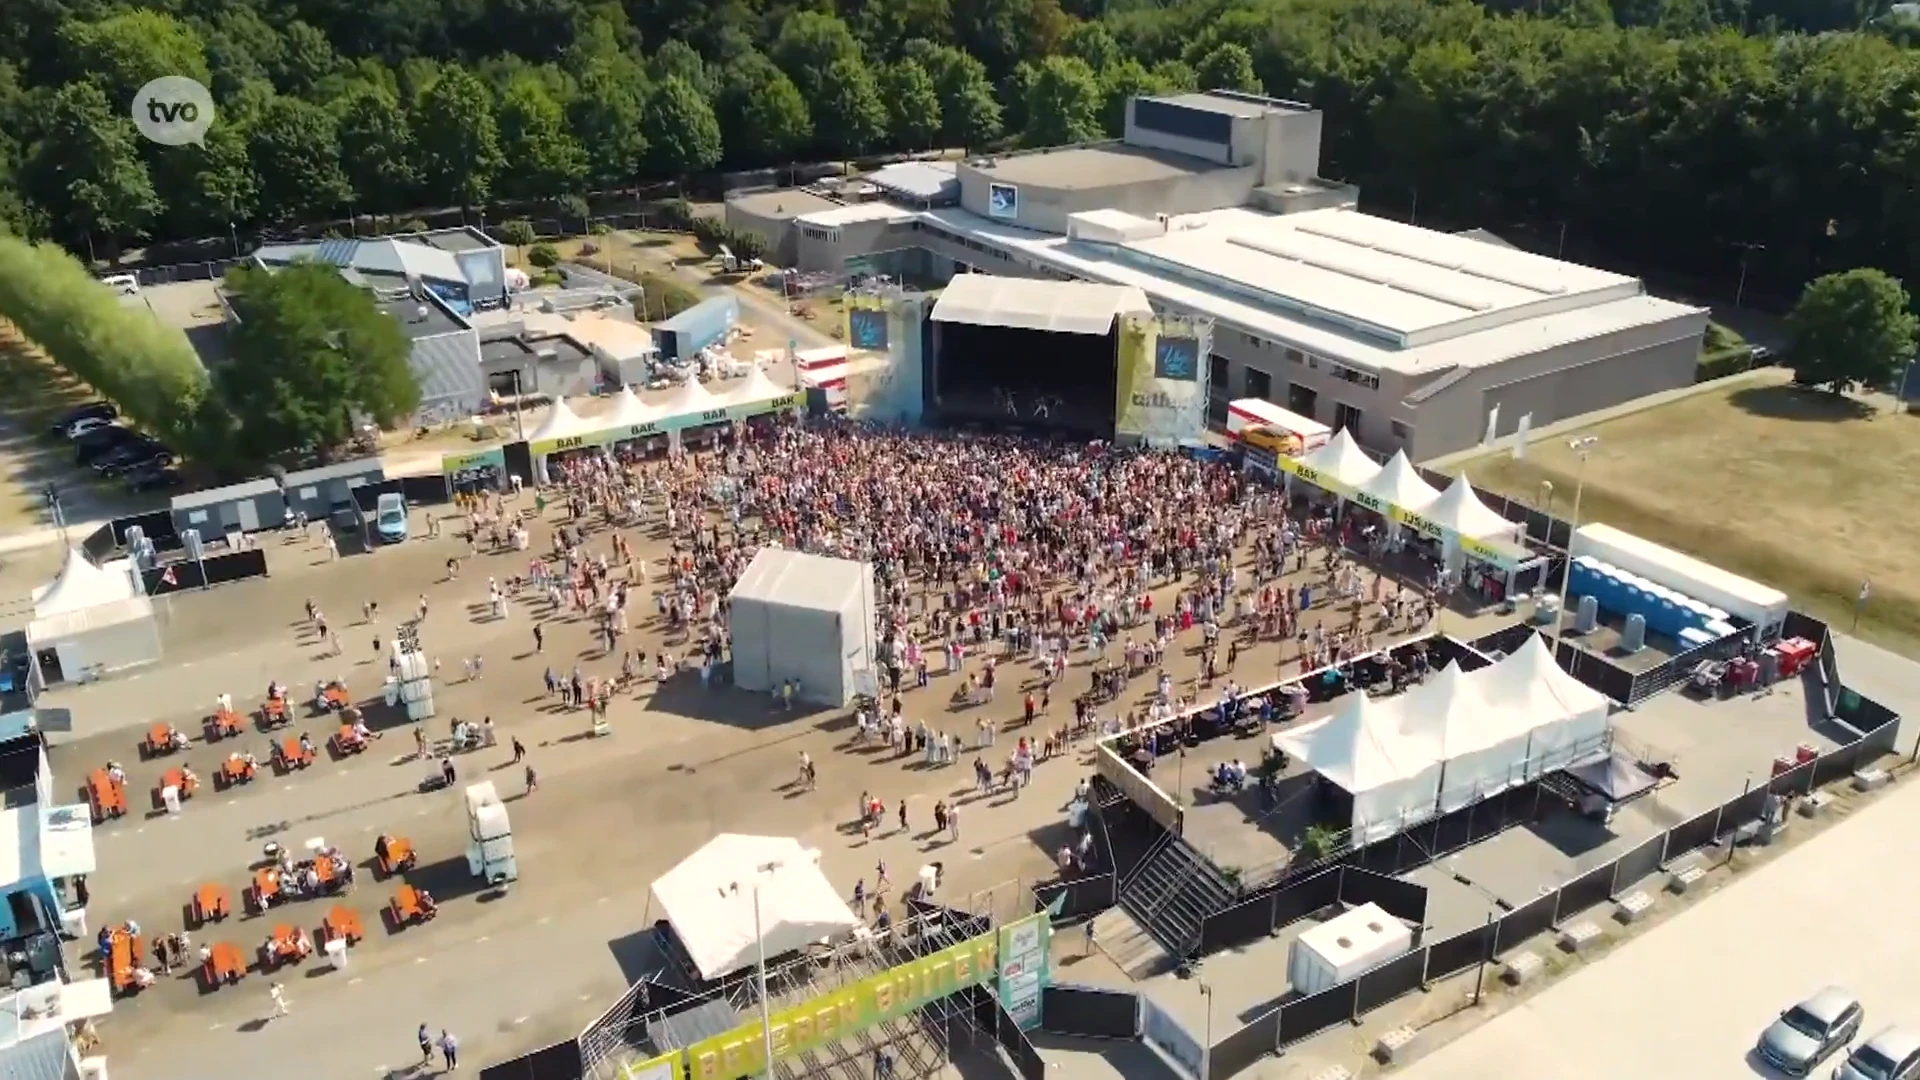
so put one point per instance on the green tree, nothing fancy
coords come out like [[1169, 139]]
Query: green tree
[[86, 169], [970, 115], [1063, 104], [607, 116], [295, 150], [912, 104], [310, 353], [810, 43], [762, 112], [682, 135], [677, 59], [849, 116], [1852, 329], [1228, 67], [544, 256], [224, 190], [126, 50], [458, 138], [1124, 80], [517, 233], [307, 60], [1094, 43], [376, 147], [534, 137]]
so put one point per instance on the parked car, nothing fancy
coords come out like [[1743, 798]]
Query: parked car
[[154, 479], [1894, 1054], [122, 284], [134, 457], [100, 442], [390, 517], [103, 410], [1806, 1034], [87, 423]]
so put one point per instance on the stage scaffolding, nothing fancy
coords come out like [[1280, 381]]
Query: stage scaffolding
[[921, 1043]]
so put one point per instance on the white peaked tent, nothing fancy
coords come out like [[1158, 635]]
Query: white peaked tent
[[561, 423], [80, 584], [1342, 460], [1398, 484], [1480, 751], [629, 411], [718, 897], [1461, 512], [1564, 720], [1394, 780], [691, 399], [759, 387]]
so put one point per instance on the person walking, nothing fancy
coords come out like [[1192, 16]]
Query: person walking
[[539, 639], [426, 1045], [519, 751], [279, 996], [450, 1050], [533, 781]]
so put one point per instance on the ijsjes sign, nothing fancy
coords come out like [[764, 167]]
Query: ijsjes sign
[[1423, 525]]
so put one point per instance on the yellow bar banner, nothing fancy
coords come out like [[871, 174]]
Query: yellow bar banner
[[664, 1067]]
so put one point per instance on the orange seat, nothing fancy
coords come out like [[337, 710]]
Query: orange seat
[[236, 770], [406, 905], [109, 799], [286, 945], [275, 710], [222, 723], [266, 888], [227, 964], [337, 697], [124, 957], [211, 903], [343, 922], [160, 738], [293, 755], [178, 778], [398, 855]]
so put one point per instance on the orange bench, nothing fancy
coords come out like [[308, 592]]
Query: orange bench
[[176, 778], [235, 771], [273, 713], [345, 741], [124, 957], [109, 799], [266, 889], [337, 696], [290, 755], [159, 740], [395, 854], [344, 923], [407, 908], [222, 724], [227, 965], [211, 903], [286, 946]]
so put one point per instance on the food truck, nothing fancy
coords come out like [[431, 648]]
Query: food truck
[[489, 836], [1258, 414]]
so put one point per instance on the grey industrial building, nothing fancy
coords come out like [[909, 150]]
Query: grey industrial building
[[1213, 205]]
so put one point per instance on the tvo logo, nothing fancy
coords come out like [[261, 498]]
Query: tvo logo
[[173, 111]]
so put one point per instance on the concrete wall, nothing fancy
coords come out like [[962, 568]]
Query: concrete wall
[[449, 369], [828, 249], [1046, 209], [775, 230]]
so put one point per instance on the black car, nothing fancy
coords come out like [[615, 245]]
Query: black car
[[103, 410], [129, 450], [153, 478], [139, 459], [95, 445]]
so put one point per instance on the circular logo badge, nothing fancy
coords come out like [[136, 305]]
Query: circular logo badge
[[173, 110]]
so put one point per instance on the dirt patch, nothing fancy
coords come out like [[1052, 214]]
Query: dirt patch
[[38, 393], [1799, 489]]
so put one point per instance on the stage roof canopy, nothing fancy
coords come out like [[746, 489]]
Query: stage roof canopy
[[709, 899], [1068, 307]]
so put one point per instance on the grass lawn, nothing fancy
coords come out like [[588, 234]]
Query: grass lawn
[[1804, 491], [38, 392]]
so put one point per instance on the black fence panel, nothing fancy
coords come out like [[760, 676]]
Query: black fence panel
[[1315, 1013], [1693, 834], [1740, 810], [1451, 832], [1240, 1050], [1629, 869], [172, 578], [1506, 641], [1596, 671], [1400, 899], [235, 566], [1460, 952], [1879, 741], [1249, 920], [519, 458], [1026, 1059], [1839, 764], [1382, 856], [157, 526], [1669, 674], [1402, 975], [561, 1061], [1090, 1013], [1583, 892], [1080, 898], [1306, 896], [425, 490], [1801, 625], [100, 544], [1523, 923], [1795, 781], [1862, 713]]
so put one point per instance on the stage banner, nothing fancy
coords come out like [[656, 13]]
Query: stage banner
[[866, 322], [664, 1067], [453, 464], [1024, 969], [838, 1014], [1160, 393]]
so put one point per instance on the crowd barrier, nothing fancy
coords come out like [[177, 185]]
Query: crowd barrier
[[205, 573], [1274, 908], [561, 1061], [1090, 1013], [1628, 688], [990, 1017], [1307, 1016], [1077, 898]]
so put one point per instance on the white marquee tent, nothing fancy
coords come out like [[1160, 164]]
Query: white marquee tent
[[561, 423], [692, 398], [1458, 739], [759, 387], [91, 618], [1398, 484], [81, 584], [1460, 511], [1341, 460], [629, 411], [709, 899]]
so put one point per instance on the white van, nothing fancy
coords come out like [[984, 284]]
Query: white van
[[122, 284]]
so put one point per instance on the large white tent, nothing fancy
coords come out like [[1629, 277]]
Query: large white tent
[[1394, 780], [629, 411], [758, 388], [691, 399], [561, 423], [710, 897], [92, 619], [1460, 511], [1450, 718], [1341, 460], [1564, 720], [81, 584], [1398, 484]]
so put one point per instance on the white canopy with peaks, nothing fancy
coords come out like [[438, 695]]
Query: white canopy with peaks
[[759, 387], [1461, 512], [561, 423], [1398, 484], [81, 584], [1342, 460], [630, 411], [709, 899], [1459, 738], [692, 398]]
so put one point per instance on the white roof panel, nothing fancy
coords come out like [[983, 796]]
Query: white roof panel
[[710, 900], [854, 214], [1073, 307], [799, 580]]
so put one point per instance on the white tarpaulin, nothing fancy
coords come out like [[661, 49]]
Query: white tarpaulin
[[1343, 460], [1480, 751], [1460, 511], [561, 423], [1069, 307], [80, 584], [691, 399], [759, 387], [709, 900], [1563, 719], [1398, 484], [1759, 604], [630, 411], [1394, 780]]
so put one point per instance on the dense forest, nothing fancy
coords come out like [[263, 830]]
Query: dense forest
[[1686, 134]]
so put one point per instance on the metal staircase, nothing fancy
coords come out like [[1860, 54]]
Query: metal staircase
[[1173, 892]]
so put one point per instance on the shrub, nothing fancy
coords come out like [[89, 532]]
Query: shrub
[[677, 214], [747, 245], [544, 256], [710, 232], [662, 298], [517, 233], [1723, 362], [601, 228]]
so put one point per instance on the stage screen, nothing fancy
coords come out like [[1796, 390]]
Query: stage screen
[[1026, 378]]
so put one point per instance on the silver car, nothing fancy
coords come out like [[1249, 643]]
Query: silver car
[[1805, 1034], [1894, 1054]]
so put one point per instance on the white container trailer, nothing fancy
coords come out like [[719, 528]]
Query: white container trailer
[[1761, 605], [489, 836], [1343, 947]]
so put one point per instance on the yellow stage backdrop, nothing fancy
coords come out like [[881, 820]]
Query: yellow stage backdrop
[[1158, 396], [839, 1013], [664, 1067]]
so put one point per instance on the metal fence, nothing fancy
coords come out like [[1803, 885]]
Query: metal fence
[[1629, 688], [1307, 1016]]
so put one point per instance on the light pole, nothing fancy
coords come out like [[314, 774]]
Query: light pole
[[1746, 252], [760, 962], [1582, 448], [1206, 1045]]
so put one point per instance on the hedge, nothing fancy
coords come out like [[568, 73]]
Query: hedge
[[1721, 363], [146, 368], [662, 298]]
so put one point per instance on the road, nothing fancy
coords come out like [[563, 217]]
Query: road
[[1688, 998]]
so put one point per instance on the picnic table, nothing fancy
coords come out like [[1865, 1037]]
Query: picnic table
[[180, 779], [336, 696], [211, 903], [107, 795], [235, 770], [395, 854], [286, 946], [407, 908], [159, 740], [290, 755], [123, 957], [343, 923], [266, 888], [223, 723], [225, 965], [274, 712], [347, 741]]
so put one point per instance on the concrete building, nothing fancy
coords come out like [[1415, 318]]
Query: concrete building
[[1213, 205]]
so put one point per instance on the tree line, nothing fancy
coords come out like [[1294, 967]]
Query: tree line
[[1691, 134]]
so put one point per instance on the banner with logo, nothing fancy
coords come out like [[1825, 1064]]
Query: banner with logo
[[664, 1067], [840, 1013], [1313, 476], [1024, 968], [866, 322], [454, 464], [1159, 394]]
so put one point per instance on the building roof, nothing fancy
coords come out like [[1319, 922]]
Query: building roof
[[617, 337], [456, 240], [795, 579], [1073, 307], [40, 1056], [245, 489], [448, 367], [1263, 308], [339, 470], [1102, 165], [1228, 103], [923, 180], [854, 215], [370, 262], [781, 202], [423, 318]]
